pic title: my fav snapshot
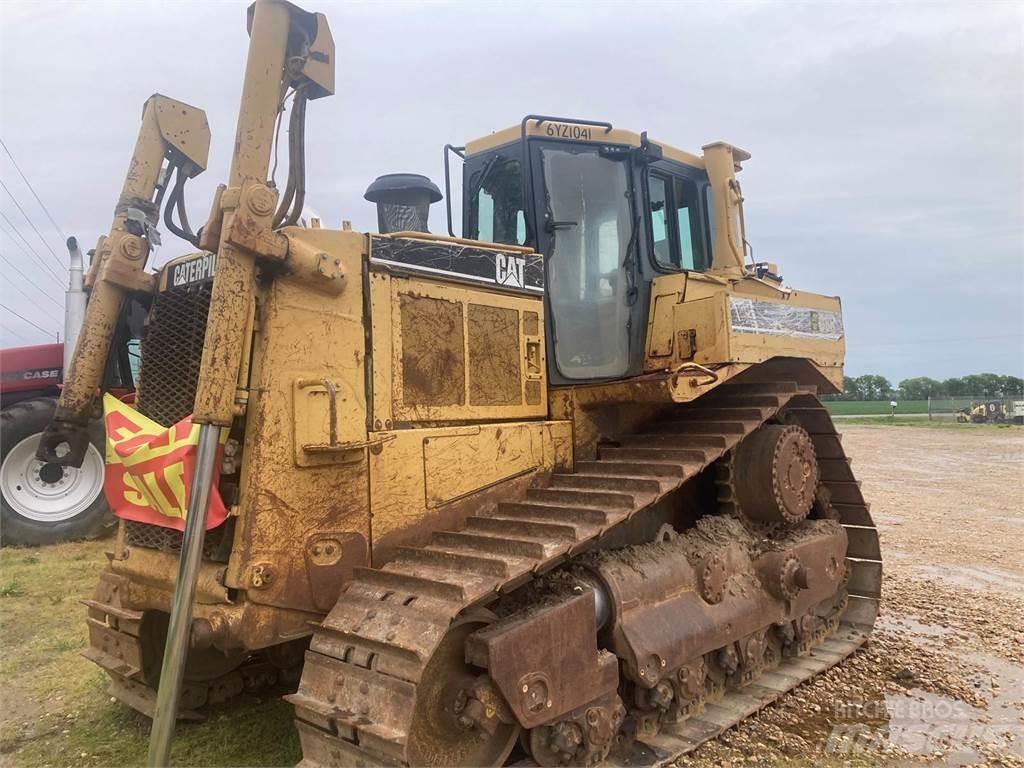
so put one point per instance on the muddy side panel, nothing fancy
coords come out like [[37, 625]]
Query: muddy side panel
[[303, 513]]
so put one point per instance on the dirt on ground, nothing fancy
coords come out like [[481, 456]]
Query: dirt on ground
[[942, 680]]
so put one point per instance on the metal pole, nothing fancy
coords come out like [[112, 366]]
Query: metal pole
[[178, 632], [74, 303]]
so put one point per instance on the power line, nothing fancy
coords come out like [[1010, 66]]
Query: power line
[[41, 239], [22, 317], [28, 280], [27, 245], [14, 333], [16, 287], [32, 190]]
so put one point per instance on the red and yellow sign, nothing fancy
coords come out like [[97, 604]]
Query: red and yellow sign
[[149, 468]]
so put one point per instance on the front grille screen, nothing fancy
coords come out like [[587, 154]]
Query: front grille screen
[[216, 544], [172, 352]]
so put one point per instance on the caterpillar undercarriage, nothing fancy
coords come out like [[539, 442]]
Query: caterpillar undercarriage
[[702, 635], [558, 491]]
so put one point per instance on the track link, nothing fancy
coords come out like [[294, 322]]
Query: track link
[[357, 696]]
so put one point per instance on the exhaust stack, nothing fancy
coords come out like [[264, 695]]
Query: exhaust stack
[[74, 303]]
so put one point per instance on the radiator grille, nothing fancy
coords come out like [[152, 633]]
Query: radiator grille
[[171, 353], [216, 544]]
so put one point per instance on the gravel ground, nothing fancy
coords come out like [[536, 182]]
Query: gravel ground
[[942, 680]]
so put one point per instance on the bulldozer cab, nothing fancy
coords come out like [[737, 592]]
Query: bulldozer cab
[[609, 210]]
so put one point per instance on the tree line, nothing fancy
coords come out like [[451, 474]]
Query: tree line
[[874, 387]]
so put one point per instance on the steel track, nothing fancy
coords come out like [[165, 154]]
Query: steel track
[[357, 699]]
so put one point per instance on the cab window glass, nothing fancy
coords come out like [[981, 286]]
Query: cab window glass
[[660, 224], [496, 208], [675, 220], [688, 222]]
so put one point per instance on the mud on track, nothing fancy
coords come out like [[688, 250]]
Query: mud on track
[[942, 680]]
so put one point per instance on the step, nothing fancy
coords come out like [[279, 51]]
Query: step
[[409, 584], [527, 529], [743, 400], [845, 493], [689, 457], [670, 470], [507, 547], [760, 387], [552, 513], [448, 560], [660, 439], [704, 427], [828, 446], [698, 413], [835, 470], [582, 480], [580, 498], [817, 421]]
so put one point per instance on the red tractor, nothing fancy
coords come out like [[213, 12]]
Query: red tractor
[[44, 502]]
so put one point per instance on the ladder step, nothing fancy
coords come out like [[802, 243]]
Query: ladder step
[[760, 387], [553, 513], [697, 413], [580, 498], [703, 427], [743, 400], [658, 439], [548, 532], [490, 544], [817, 421], [631, 468], [836, 470], [690, 456], [828, 447], [409, 584], [440, 558], [845, 493], [607, 482]]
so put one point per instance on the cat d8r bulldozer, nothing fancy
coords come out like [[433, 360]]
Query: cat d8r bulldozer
[[558, 490]]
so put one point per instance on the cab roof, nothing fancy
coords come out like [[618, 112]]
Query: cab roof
[[585, 131]]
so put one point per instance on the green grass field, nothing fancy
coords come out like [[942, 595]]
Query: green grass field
[[55, 709], [875, 407]]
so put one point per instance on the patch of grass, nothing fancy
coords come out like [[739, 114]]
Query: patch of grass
[[874, 407], [55, 708], [10, 588], [881, 421]]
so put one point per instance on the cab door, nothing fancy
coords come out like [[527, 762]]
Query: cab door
[[678, 243], [676, 216]]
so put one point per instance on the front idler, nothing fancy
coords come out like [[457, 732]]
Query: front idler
[[776, 474]]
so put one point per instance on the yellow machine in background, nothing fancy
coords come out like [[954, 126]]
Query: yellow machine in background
[[562, 485]]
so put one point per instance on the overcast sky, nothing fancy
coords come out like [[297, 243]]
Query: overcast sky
[[887, 139]]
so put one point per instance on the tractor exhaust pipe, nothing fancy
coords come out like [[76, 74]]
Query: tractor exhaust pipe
[[74, 303]]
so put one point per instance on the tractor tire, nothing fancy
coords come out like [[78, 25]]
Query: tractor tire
[[46, 503]]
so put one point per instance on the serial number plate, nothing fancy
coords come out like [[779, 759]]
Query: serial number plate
[[568, 131], [197, 270]]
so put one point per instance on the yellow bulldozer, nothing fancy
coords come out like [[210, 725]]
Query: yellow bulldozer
[[558, 490]]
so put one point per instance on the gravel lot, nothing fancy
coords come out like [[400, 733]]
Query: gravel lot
[[942, 680]]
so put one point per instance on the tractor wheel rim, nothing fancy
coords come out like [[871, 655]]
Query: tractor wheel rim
[[32, 497]]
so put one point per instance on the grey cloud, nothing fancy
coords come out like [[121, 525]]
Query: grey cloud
[[888, 159]]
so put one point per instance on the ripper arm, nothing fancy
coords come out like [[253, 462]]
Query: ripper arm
[[174, 139]]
